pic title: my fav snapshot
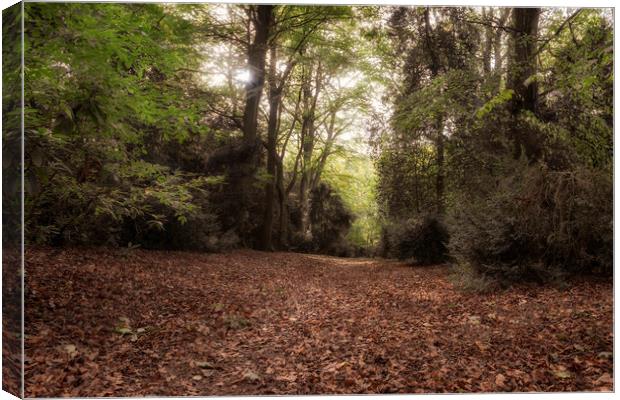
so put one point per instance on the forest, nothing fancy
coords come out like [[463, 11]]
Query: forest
[[428, 186]]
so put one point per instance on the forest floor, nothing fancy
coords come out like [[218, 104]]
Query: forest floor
[[112, 322]]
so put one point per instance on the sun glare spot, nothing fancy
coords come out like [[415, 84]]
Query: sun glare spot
[[243, 76]]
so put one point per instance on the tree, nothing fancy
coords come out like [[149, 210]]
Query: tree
[[522, 77], [261, 17], [298, 32], [435, 48]]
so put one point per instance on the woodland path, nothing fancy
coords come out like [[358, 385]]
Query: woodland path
[[111, 323]]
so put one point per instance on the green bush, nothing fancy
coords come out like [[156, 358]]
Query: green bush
[[538, 224], [330, 222], [88, 199], [422, 240], [468, 279]]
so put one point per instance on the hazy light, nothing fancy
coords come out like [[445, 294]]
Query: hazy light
[[243, 76], [220, 79], [349, 80], [219, 11]]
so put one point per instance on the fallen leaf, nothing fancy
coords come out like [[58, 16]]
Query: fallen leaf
[[71, 349], [606, 354], [251, 376], [481, 346], [205, 365], [562, 374], [123, 331], [605, 379]]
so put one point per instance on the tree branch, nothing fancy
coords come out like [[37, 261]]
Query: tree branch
[[557, 32]]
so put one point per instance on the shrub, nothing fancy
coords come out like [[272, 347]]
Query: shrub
[[340, 248], [538, 224], [119, 203], [422, 240], [330, 222], [468, 279]]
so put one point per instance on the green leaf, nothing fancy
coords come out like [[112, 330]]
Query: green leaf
[[503, 97]]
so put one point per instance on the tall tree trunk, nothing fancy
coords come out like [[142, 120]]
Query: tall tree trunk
[[257, 53], [275, 94], [497, 51], [488, 41], [521, 78], [283, 230], [440, 182], [329, 142], [304, 184], [305, 151], [283, 223], [262, 22], [435, 68], [308, 132], [284, 194]]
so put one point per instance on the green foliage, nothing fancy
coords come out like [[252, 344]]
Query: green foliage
[[510, 217], [100, 70], [330, 222], [406, 180], [580, 87], [11, 125], [502, 98], [101, 82], [354, 179], [468, 279], [537, 224], [421, 240], [448, 94]]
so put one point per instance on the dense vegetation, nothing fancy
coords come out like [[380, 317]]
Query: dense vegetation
[[146, 127], [502, 130], [477, 135]]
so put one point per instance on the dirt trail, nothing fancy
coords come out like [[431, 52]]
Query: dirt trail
[[112, 323]]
